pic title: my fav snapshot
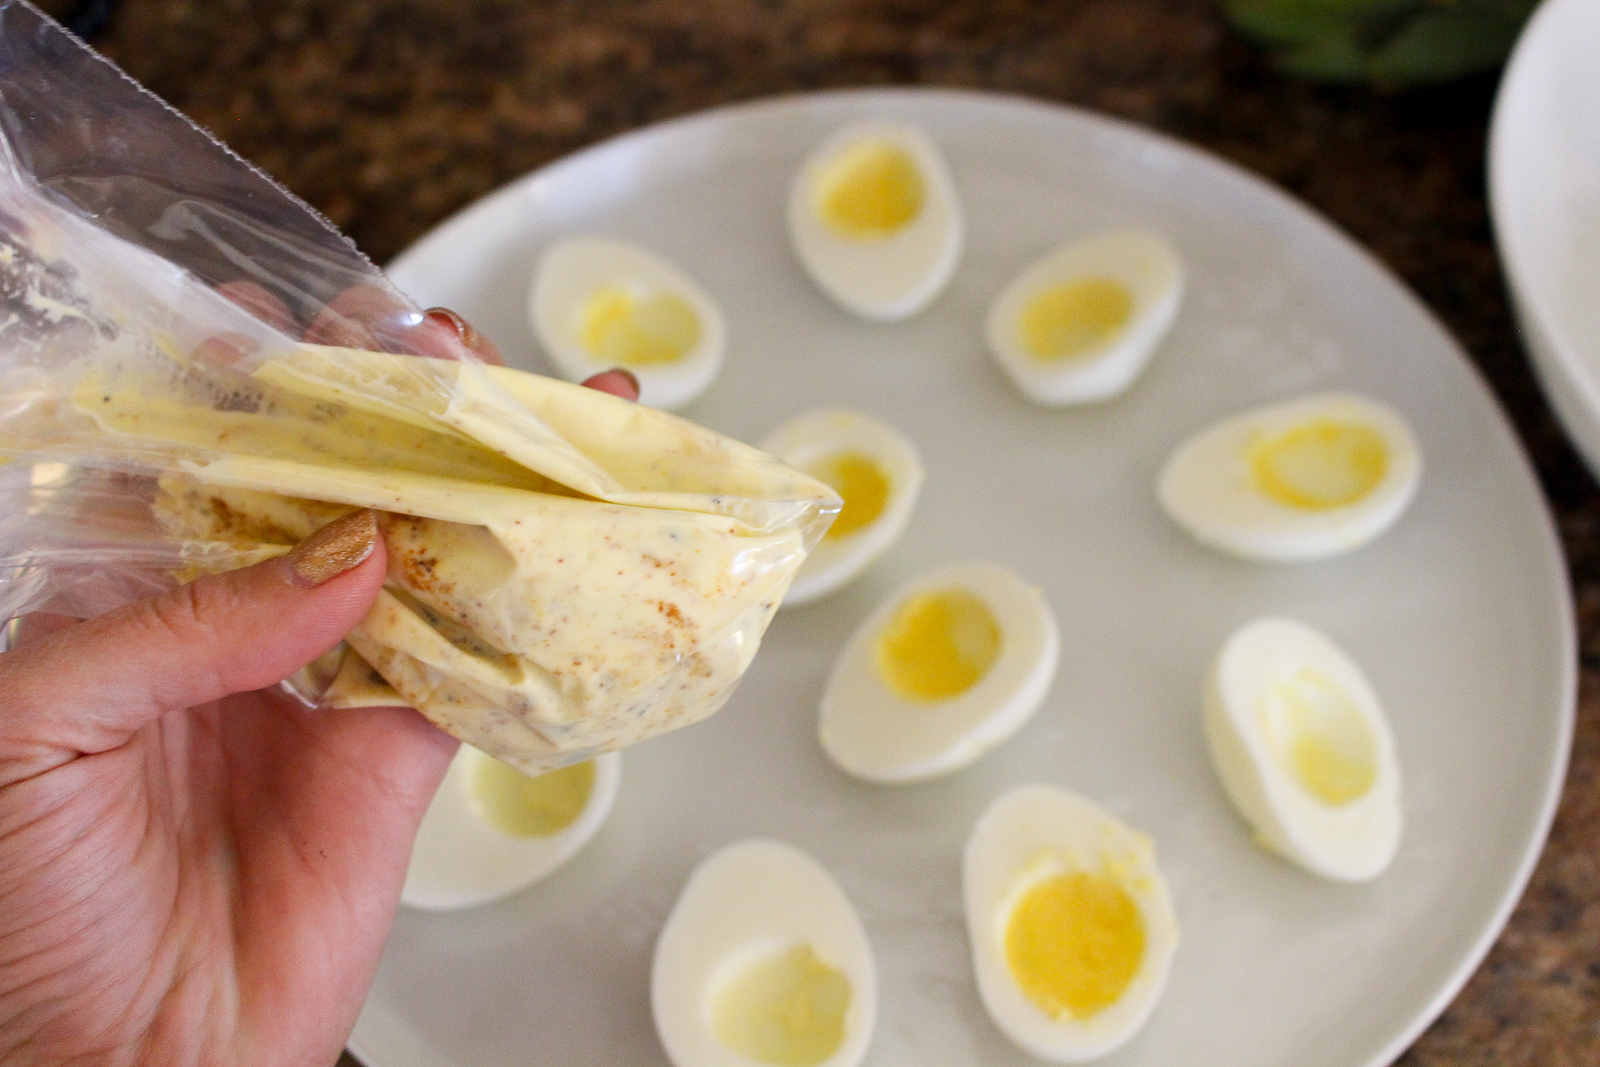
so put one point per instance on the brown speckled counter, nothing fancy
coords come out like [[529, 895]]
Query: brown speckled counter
[[389, 114]]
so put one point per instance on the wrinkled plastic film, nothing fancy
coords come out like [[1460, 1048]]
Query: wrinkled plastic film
[[197, 372], [90, 139]]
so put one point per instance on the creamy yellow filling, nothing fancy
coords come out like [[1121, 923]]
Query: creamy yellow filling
[[523, 806], [1074, 318], [938, 645], [870, 191], [1320, 464], [1074, 943], [787, 1009], [857, 478], [623, 328], [1319, 738]]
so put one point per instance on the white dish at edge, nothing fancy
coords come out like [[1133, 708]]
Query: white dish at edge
[[1544, 196], [1460, 615]]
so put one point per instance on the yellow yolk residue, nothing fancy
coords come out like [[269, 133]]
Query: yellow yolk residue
[[1074, 942], [1073, 318], [938, 645], [870, 191], [857, 478], [1321, 464], [786, 1009], [1316, 734], [620, 327], [516, 804]]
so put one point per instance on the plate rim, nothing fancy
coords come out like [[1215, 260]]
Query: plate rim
[[1554, 561]]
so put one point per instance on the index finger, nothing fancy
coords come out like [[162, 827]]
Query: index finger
[[365, 316]]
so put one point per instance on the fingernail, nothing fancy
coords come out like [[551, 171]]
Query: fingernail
[[463, 328], [471, 339], [337, 547], [633, 379]]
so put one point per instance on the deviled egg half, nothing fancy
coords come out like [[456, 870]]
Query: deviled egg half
[[1080, 324], [1071, 923], [1302, 747], [873, 467], [600, 302], [942, 671], [763, 961], [875, 219], [492, 830], [1302, 480]]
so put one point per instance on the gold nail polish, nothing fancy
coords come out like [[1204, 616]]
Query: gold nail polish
[[334, 549]]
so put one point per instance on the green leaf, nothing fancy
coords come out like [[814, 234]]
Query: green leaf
[[1391, 42], [1334, 57], [1335, 9], [1280, 25], [1443, 43], [1511, 10]]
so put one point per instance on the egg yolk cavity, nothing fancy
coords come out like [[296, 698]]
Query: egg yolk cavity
[[1074, 318], [1320, 464], [1074, 942], [864, 486], [1319, 739], [623, 328], [785, 1008], [938, 645], [516, 804], [870, 191]]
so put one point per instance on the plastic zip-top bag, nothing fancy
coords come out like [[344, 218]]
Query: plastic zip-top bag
[[197, 372]]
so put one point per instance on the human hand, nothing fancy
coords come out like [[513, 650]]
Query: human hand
[[193, 870]]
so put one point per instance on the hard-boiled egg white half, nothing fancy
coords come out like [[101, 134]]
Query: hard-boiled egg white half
[[942, 671], [763, 961], [877, 472], [1071, 923], [875, 219], [1302, 480], [492, 830], [1303, 749], [599, 303], [1080, 324]]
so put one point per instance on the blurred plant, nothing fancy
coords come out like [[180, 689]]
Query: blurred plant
[[1387, 42]]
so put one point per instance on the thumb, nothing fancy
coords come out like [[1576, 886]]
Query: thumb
[[88, 688]]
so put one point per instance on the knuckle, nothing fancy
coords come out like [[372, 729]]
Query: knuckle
[[186, 621], [188, 614], [176, 615]]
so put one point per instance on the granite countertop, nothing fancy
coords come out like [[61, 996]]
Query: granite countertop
[[389, 114]]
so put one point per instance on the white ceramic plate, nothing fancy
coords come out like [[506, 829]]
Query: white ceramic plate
[[1460, 614], [1544, 193]]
